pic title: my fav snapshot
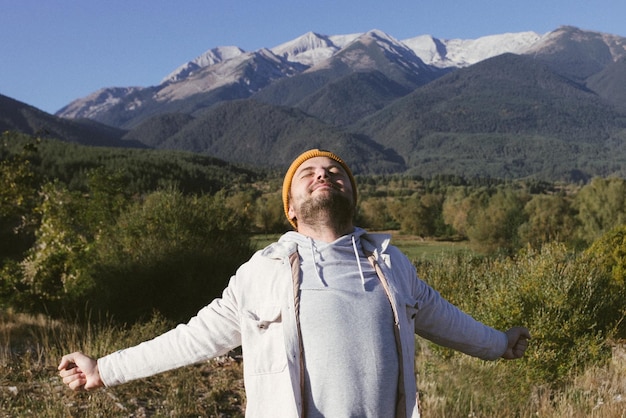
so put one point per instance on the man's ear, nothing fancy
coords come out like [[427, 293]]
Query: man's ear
[[291, 212]]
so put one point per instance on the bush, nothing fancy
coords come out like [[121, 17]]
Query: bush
[[170, 253], [56, 268], [609, 252], [567, 301]]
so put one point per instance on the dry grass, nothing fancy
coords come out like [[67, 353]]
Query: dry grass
[[461, 386], [450, 387], [455, 386], [30, 386]]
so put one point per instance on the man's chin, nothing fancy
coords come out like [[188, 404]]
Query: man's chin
[[332, 205]]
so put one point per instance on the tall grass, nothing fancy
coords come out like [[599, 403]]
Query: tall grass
[[450, 386], [460, 386], [30, 386]]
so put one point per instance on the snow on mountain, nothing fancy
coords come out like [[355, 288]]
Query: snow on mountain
[[360, 57], [226, 65], [97, 102], [252, 69], [210, 57], [343, 40], [465, 52], [431, 50], [566, 36], [308, 49], [617, 45]]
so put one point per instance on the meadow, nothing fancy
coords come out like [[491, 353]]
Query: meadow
[[585, 379]]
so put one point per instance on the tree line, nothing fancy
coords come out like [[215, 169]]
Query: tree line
[[497, 215]]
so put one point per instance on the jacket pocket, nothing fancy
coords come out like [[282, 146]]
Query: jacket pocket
[[263, 341]]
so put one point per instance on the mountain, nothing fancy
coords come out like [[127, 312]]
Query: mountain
[[235, 78], [593, 59], [99, 102], [350, 98], [313, 60], [365, 75], [512, 111], [578, 54], [610, 83], [211, 57], [18, 116], [512, 105], [259, 134], [311, 48]]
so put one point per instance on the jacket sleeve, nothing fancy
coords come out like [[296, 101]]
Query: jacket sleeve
[[212, 332], [443, 323]]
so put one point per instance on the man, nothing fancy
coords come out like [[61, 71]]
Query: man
[[326, 316]]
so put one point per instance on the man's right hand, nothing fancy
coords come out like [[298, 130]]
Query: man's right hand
[[80, 371]]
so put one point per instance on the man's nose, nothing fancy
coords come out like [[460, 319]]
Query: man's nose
[[322, 173]]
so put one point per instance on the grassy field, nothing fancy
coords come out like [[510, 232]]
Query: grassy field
[[414, 247], [417, 248], [451, 384], [457, 386]]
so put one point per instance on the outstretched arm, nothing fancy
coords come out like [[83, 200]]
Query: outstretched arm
[[518, 342], [80, 371]]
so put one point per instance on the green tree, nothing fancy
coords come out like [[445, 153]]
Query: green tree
[[269, 215], [374, 213], [418, 215], [56, 269], [601, 206], [456, 208], [493, 226], [610, 253], [549, 218]]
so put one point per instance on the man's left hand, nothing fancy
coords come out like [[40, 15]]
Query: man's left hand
[[518, 342]]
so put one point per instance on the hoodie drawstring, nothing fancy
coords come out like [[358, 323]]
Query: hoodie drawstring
[[356, 255], [317, 273], [358, 262]]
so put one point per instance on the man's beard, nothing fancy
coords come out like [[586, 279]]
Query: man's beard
[[333, 209]]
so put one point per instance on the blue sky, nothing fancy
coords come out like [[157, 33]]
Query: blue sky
[[54, 51]]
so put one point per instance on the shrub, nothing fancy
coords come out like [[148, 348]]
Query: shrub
[[610, 253], [170, 253], [56, 269], [566, 300]]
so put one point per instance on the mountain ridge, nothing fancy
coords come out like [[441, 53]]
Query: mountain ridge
[[307, 50], [509, 105]]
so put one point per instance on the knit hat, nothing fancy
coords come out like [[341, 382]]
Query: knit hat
[[298, 162]]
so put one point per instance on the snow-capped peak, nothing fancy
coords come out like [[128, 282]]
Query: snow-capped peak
[[380, 35], [308, 49], [384, 40], [210, 57], [462, 53]]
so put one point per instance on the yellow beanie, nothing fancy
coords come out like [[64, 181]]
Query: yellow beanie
[[294, 167]]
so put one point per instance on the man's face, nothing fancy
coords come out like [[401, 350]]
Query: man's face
[[320, 188]]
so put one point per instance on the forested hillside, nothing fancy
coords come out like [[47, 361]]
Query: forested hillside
[[506, 117], [77, 220]]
